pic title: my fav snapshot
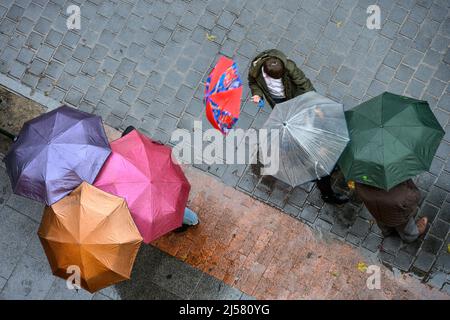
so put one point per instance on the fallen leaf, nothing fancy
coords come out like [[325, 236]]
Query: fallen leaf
[[210, 37], [351, 184], [362, 267], [334, 274], [448, 248], [339, 24]]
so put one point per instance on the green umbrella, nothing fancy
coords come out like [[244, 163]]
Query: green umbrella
[[392, 138]]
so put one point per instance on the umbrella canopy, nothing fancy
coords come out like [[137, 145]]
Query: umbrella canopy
[[313, 134], [142, 171], [55, 152], [223, 93], [94, 231], [393, 138]]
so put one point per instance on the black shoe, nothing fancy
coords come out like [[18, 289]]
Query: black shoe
[[336, 198], [183, 228], [128, 130]]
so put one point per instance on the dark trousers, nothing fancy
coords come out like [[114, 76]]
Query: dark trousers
[[277, 101], [127, 130], [324, 186]]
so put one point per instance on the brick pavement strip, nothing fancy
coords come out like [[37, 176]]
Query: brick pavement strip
[[140, 63]]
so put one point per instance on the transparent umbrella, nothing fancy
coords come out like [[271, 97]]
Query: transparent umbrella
[[312, 134]]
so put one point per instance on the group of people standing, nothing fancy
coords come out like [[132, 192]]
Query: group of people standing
[[276, 79]]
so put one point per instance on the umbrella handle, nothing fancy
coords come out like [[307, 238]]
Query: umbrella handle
[[261, 103], [316, 164]]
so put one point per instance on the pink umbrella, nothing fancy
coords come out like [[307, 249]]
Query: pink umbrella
[[155, 188]]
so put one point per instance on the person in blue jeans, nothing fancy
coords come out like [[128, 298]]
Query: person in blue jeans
[[190, 218]]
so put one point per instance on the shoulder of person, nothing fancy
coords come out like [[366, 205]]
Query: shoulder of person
[[291, 65]]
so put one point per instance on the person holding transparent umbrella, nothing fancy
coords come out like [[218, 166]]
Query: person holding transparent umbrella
[[275, 78]]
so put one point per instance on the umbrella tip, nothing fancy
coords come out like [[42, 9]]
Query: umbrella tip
[[284, 124]]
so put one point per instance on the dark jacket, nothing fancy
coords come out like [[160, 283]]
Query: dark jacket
[[392, 208], [294, 80]]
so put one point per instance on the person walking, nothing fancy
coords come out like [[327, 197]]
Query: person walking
[[394, 210], [190, 218], [275, 78]]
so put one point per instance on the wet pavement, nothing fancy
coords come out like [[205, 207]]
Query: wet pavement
[[143, 63]]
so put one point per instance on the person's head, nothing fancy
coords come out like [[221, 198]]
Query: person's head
[[274, 67]]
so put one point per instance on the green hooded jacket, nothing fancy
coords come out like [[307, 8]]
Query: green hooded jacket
[[294, 80]]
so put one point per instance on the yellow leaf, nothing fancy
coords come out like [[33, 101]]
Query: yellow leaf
[[334, 274], [351, 184], [339, 24], [210, 37], [448, 248], [362, 267]]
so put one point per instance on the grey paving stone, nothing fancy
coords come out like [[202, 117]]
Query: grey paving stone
[[90, 67], [404, 73], [82, 52], [438, 279], [71, 39], [387, 258], [403, 261], [45, 52], [444, 181], [424, 73], [119, 81], [397, 14], [436, 196], [15, 12], [354, 240], [412, 58], [93, 95], [397, 87], [210, 288], [424, 261], [247, 49], [43, 26], [156, 109], [391, 244], [345, 75], [372, 242], [37, 67], [444, 213], [435, 87], [25, 55], [415, 88], [413, 247], [360, 227], [385, 74], [309, 213], [409, 29], [73, 96], [31, 279], [30, 208], [392, 59], [53, 38], [431, 244]]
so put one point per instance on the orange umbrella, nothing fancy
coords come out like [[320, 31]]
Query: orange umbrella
[[94, 231]]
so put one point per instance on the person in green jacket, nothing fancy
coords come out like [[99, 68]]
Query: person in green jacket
[[275, 78]]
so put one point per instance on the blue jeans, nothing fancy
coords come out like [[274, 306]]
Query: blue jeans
[[190, 217]]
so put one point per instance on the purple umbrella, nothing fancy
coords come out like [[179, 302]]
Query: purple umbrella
[[55, 152]]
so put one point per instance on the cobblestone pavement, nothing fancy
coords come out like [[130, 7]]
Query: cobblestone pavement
[[143, 63]]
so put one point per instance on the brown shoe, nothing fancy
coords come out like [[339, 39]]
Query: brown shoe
[[422, 225]]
